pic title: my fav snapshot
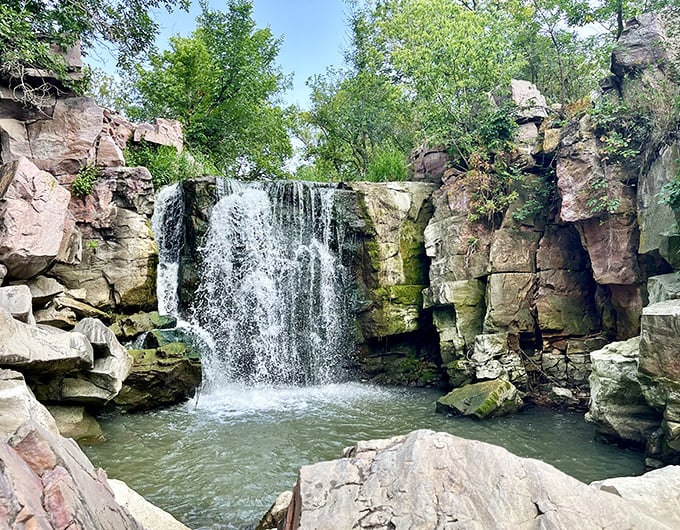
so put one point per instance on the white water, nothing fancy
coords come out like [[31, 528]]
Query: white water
[[274, 300]]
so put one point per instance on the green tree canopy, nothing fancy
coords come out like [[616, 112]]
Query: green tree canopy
[[28, 29], [222, 84]]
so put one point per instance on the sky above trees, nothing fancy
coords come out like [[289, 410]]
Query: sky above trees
[[314, 34]]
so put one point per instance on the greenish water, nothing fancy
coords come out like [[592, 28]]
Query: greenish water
[[220, 463]]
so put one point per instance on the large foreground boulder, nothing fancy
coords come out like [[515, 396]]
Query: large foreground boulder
[[48, 483], [427, 480]]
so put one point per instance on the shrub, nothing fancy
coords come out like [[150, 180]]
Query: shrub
[[166, 165], [388, 164], [84, 182]]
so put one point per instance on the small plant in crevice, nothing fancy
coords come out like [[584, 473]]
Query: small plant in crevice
[[489, 188], [603, 202], [538, 192], [84, 182]]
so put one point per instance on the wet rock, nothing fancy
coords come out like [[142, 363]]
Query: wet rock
[[487, 399], [65, 143], [277, 513], [18, 405], [149, 515], [617, 406], [129, 327], [48, 481], [39, 350], [74, 422], [16, 300], [160, 377], [428, 480], [34, 215]]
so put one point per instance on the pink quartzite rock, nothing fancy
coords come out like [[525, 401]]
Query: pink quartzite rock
[[161, 132], [47, 483], [33, 218], [66, 142], [612, 244], [108, 153]]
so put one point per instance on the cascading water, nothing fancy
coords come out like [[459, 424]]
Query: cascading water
[[273, 294], [166, 224]]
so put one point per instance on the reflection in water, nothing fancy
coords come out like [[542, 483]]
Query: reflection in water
[[220, 462]]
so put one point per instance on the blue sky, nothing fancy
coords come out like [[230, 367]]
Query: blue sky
[[314, 34]]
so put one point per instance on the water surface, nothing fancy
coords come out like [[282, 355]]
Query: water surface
[[219, 462]]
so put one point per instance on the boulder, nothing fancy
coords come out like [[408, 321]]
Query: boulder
[[50, 484], [487, 399], [150, 516], [41, 350], [277, 513], [531, 105], [112, 364], [161, 132], [659, 354], [427, 480], [429, 164], [617, 406], [34, 214], [657, 490], [160, 377], [66, 142], [16, 300], [74, 422], [64, 318], [18, 405], [663, 287], [108, 153], [44, 289]]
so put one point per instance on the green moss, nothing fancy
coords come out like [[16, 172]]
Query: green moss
[[412, 250], [487, 399], [405, 295]]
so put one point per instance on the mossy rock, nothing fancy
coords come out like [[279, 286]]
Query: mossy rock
[[129, 327], [487, 399]]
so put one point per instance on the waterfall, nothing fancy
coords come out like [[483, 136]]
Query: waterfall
[[273, 294], [167, 226]]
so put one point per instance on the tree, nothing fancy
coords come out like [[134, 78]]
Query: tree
[[29, 29], [222, 84]]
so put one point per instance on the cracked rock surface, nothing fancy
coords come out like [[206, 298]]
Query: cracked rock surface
[[427, 480]]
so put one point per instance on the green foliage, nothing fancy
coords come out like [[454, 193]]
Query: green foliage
[[221, 83], [670, 193], [388, 164], [30, 30], [603, 202], [165, 164], [84, 181], [538, 191]]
